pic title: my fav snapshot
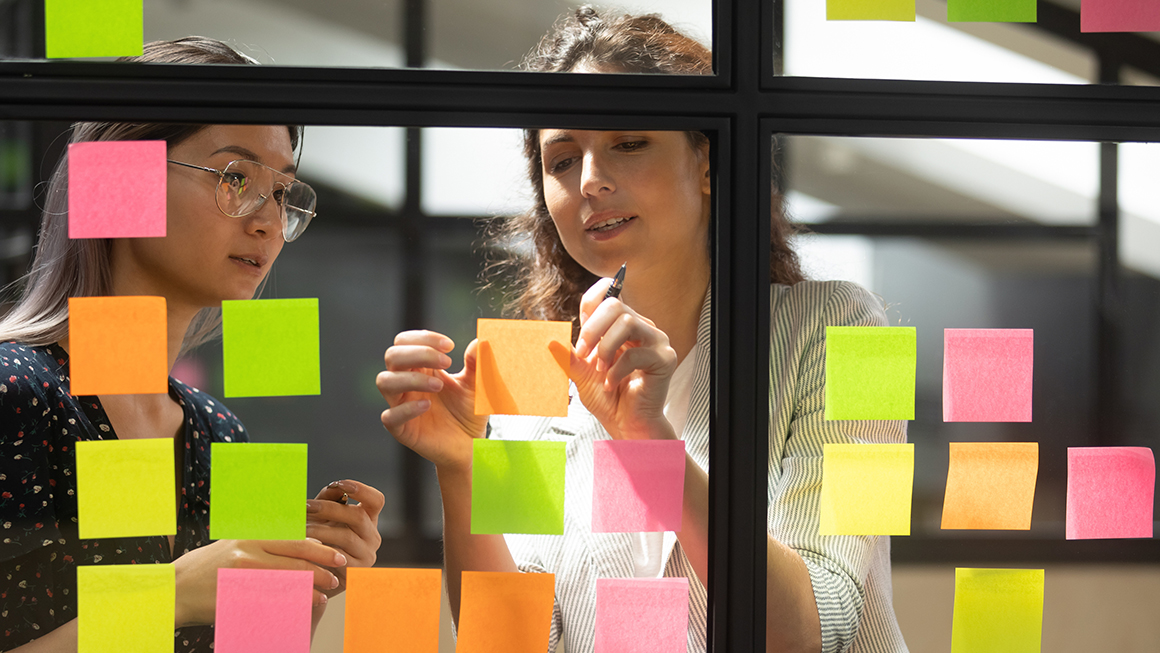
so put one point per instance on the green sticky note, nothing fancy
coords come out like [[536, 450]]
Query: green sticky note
[[517, 487], [998, 611], [93, 28], [866, 489], [870, 10], [991, 11], [125, 608], [870, 372], [126, 488], [270, 347], [257, 491]]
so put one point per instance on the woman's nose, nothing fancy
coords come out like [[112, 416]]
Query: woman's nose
[[595, 178], [267, 220]]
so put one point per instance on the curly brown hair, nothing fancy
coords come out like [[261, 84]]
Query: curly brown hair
[[547, 283]]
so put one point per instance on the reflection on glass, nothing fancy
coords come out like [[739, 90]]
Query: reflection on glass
[[979, 181], [928, 49]]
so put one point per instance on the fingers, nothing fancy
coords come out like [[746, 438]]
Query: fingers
[[592, 298], [395, 384], [613, 325], [393, 418], [656, 361], [311, 551], [425, 339], [361, 519], [412, 357]]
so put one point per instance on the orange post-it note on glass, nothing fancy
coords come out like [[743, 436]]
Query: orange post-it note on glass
[[505, 612], [116, 189], [522, 367], [117, 345], [392, 610], [991, 485]]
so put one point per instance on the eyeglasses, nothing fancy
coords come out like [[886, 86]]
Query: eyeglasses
[[239, 193]]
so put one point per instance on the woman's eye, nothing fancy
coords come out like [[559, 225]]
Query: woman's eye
[[236, 181], [560, 165], [632, 146]]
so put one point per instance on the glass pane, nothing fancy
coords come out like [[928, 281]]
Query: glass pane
[[836, 179], [929, 49], [496, 35], [474, 172]]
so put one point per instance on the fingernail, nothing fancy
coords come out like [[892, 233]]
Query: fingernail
[[316, 541], [320, 599], [581, 348], [337, 484], [311, 508], [599, 364], [445, 360], [446, 344], [339, 561], [423, 404], [435, 384], [333, 582]]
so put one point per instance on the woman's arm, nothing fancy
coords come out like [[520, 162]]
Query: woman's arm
[[433, 413], [61, 640]]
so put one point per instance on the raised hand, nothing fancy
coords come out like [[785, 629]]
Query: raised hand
[[352, 529], [621, 366], [431, 411]]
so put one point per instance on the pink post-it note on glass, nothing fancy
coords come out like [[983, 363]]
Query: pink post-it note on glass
[[642, 615], [1119, 16], [639, 485], [987, 375], [263, 611], [1110, 491], [116, 189]]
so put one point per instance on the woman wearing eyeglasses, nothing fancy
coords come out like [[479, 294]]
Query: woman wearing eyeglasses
[[232, 204], [640, 369]]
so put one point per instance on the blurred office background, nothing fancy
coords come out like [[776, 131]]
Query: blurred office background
[[950, 233]]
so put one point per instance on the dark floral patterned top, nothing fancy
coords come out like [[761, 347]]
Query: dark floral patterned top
[[40, 424]]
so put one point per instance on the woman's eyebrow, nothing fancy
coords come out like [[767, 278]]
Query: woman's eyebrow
[[564, 137], [249, 154]]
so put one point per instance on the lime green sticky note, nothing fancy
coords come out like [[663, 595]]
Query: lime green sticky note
[[126, 488], [870, 372], [866, 489], [517, 487], [998, 611], [93, 28], [125, 608], [870, 10], [257, 491], [270, 347], [991, 11]]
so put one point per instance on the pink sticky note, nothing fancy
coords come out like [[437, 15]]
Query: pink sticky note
[[987, 375], [642, 615], [263, 611], [116, 189], [638, 485], [1110, 492], [1119, 16]]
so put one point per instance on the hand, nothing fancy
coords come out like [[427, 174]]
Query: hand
[[352, 530], [431, 411], [197, 571], [621, 366]]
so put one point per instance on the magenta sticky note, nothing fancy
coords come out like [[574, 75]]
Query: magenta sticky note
[[1110, 492], [638, 485], [116, 189], [642, 615], [263, 611], [1119, 16], [987, 375]]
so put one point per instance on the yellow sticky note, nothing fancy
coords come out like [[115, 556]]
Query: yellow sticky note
[[902, 10], [125, 608], [866, 489], [991, 485], [117, 345], [126, 488], [522, 367], [998, 611]]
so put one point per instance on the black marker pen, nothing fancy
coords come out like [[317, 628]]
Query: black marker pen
[[617, 283]]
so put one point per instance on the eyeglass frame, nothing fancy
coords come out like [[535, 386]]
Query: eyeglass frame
[[282, 208]]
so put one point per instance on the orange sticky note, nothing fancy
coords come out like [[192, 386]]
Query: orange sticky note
[[117, 345], [522, 367], [505, 612], [392, 610], [991, 485]]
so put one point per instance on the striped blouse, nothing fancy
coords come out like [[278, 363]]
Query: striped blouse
[[850, 575]]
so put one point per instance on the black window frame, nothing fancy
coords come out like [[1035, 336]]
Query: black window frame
[[742, 107]]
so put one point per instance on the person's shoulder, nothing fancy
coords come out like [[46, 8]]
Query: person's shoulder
[[218, 420], [27, 370], [833, 302]]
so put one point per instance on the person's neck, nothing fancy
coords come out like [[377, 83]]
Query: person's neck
[[672, 299]]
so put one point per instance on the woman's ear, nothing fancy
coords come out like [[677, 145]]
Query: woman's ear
[[703, 167]]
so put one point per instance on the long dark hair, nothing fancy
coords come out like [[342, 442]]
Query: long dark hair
[[548, 282], [64, 267]]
